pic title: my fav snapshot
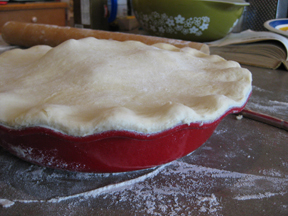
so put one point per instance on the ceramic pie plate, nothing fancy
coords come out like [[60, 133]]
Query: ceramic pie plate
[[112, 151]]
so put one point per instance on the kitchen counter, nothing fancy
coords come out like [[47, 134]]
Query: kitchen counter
[[241, 170]]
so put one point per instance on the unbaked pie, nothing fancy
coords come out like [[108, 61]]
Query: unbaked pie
[[88, 86]]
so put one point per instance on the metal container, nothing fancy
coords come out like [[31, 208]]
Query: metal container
[[260, 11]]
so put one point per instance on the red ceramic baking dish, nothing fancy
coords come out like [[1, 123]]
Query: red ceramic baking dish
[[112, 151]]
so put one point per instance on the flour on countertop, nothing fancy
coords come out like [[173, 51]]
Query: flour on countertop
[[256, 88], [6, 203], [266, 105], [258, 196], [144, 192], [274, 106]]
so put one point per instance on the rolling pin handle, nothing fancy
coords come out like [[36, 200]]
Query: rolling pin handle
[[34, 19]]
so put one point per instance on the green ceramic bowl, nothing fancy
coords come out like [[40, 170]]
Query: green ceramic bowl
[[193, 20]]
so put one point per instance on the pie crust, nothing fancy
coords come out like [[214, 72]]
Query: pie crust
[[88, 86]]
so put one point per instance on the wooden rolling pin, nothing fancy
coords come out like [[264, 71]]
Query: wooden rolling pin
[[28, 34]]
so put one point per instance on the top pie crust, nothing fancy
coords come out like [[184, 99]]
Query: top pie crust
[[88, 86]]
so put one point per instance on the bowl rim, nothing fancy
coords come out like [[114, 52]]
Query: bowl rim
[[233, 2], [272, 24]]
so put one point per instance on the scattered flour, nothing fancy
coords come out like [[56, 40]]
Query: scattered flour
[[256, 88], [266, 105], [163, 190], [6, 203], [220, 131], [269, 105], [258, 196], [208, 204]]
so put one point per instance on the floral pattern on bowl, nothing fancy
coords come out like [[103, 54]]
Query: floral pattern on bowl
[[162, 23]]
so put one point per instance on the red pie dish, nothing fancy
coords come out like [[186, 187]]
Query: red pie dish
[[93, 105], [111, 151]]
